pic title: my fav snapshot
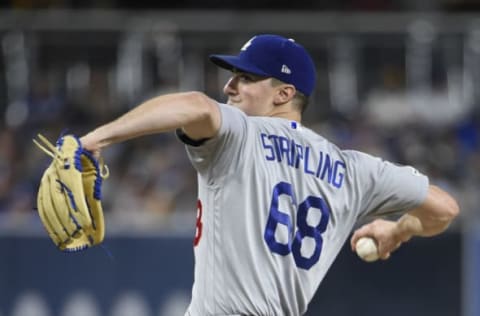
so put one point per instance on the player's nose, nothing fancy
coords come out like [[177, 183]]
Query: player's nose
[[230, 87]]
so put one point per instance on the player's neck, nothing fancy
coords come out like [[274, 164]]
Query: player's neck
[[289, 115], [287, 111]]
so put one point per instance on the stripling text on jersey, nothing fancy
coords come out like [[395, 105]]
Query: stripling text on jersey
[[285, 150]]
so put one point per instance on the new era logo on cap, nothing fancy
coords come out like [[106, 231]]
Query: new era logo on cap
[[285, 69], [273, 56]]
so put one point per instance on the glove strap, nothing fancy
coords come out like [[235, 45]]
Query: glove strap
[[47, 147]]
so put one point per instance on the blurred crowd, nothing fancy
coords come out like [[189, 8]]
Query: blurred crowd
[[149, 178], [365, 101]]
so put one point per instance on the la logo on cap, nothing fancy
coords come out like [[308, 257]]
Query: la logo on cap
[[247, 44]]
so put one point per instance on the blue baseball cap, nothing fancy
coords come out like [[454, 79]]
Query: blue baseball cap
[[273, 56]]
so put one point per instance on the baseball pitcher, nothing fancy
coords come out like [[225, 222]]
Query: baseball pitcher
[[276, 201]]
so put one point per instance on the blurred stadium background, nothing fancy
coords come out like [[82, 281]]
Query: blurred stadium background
[[397, 79]]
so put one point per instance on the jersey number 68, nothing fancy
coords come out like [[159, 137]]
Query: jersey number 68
[[304, 229]]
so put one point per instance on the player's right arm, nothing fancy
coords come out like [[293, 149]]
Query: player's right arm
[[194, 112], [430, 218]]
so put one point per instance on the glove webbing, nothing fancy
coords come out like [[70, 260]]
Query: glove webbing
[[53, 152]]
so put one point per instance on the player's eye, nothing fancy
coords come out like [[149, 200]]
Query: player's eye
[[248, 78], [245, 77]]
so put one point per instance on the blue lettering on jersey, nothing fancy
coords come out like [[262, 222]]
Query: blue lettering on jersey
[[267, 147], [327, 168], [307, 159], [285, 150], [274, 139], [299, 152], [339, 172]]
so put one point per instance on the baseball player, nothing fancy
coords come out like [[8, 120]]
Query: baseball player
[[276, 201]]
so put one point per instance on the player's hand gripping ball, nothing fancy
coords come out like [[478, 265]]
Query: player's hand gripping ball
[[69, 197], [367, 249]]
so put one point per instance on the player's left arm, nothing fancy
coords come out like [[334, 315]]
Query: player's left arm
[[194, 112], [430, 218]]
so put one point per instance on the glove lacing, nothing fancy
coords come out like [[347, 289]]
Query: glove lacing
[[48, 148]]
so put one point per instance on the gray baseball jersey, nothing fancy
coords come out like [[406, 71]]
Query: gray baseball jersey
[[276, 203]]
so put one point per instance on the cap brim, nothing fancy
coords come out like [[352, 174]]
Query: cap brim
[[230, 62]]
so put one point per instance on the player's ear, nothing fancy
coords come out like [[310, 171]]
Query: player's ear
[[283, 94]]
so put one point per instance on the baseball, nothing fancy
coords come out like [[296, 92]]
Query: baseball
[[366, 249]]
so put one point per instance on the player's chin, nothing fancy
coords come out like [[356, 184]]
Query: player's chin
[[241, 106], [231, 102]]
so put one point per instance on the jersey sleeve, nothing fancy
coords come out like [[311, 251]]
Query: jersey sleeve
[[383, 188], [219, 156]]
